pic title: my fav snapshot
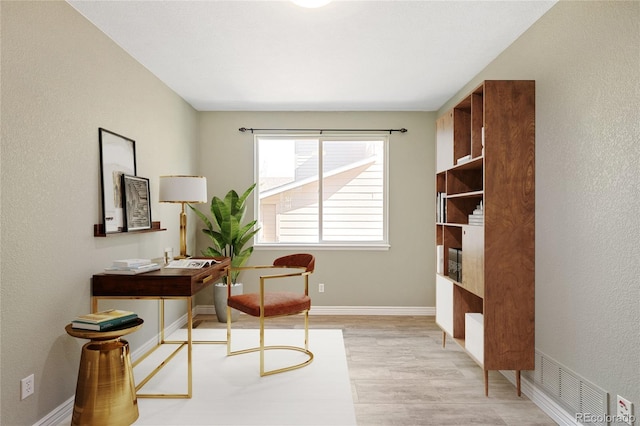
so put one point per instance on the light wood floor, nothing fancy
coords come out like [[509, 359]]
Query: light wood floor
[[401, 375]]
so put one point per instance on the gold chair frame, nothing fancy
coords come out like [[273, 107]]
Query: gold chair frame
[[262, 347]]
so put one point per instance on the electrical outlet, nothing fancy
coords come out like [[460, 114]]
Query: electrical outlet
[[624, 410], [27, 386], [321, 288]]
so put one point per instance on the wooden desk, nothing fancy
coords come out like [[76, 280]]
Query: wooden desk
[[166, 283]]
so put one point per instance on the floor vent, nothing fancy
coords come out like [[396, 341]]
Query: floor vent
[[587, 402]]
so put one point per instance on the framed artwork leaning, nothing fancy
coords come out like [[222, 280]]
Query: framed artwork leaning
[[117, 158], [136, 203]]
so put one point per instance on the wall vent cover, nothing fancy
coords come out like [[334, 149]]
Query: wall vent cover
[[570, 390]]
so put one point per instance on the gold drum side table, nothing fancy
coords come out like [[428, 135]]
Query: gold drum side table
[[105, 391]]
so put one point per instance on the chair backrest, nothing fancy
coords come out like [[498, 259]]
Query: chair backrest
[[298, 260]]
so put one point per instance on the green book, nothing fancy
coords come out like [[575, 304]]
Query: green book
[[105, 320]]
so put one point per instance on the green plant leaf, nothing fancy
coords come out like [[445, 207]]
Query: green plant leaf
[[231, 200], [202, 217], [225, 230], [211, 252]]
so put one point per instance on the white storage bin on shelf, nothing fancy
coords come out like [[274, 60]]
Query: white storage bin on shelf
[[474, 335], [444, 304]]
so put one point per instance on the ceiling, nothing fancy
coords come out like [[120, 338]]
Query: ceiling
[[347, 56]]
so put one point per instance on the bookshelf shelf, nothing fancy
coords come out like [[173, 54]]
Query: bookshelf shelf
[[471, 194]]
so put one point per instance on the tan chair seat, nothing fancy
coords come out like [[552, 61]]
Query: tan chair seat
[[275, 304]]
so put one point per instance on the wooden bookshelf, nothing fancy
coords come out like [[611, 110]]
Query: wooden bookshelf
[[492, 133]]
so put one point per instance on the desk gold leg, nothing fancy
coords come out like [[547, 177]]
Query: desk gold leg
[[161, 310], [189, 342], [189, 346]]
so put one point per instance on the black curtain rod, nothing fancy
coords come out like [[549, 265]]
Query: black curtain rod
[[403, 130]]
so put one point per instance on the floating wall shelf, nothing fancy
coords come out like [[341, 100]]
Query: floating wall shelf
[[98, 230]]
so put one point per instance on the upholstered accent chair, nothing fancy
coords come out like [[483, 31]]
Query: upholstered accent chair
[[268, 304]]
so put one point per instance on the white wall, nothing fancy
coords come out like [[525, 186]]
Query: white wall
[[401, 276], [585, 58], [61, 80]]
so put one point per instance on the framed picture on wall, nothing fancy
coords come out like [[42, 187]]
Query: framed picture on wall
[[136, 203], [117, 157]]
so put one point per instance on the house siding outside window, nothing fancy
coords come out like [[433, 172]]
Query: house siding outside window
[[321, 190]]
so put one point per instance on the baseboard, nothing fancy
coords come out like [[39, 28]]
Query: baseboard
[[373, 310], [58, 415], [542, 400], [351, 310]]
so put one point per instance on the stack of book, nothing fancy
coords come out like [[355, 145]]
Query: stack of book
[[477, 217], [104, 321], [132, 266]]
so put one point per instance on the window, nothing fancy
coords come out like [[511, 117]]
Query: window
[[323, 191]]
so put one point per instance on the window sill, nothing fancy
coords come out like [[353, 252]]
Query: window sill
[[346, 246]]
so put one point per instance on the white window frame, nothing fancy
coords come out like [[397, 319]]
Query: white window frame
[[327, 245]]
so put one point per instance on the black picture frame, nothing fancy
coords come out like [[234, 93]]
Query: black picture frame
[[136, 203], [117, 157]]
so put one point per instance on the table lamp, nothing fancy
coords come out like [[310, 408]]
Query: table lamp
[[183, 189]]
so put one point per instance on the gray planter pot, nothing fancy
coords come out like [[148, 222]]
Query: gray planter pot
[[220, 300]]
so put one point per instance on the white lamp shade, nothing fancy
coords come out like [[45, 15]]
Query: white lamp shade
[[183, 189]]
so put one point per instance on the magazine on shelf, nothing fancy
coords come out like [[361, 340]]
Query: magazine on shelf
[[191, 263]]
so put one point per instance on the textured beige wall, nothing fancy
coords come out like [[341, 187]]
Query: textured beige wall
[[61, 80], [401, 276], [585, 58]]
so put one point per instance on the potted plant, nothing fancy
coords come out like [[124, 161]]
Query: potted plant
[[228, 237]]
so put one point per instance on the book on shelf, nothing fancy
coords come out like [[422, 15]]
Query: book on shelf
[[191, 263], [103, 321], [441, 207], [440, 259], [454, 269], [106, 326]]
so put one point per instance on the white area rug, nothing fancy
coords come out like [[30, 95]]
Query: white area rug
[[230, 391]]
